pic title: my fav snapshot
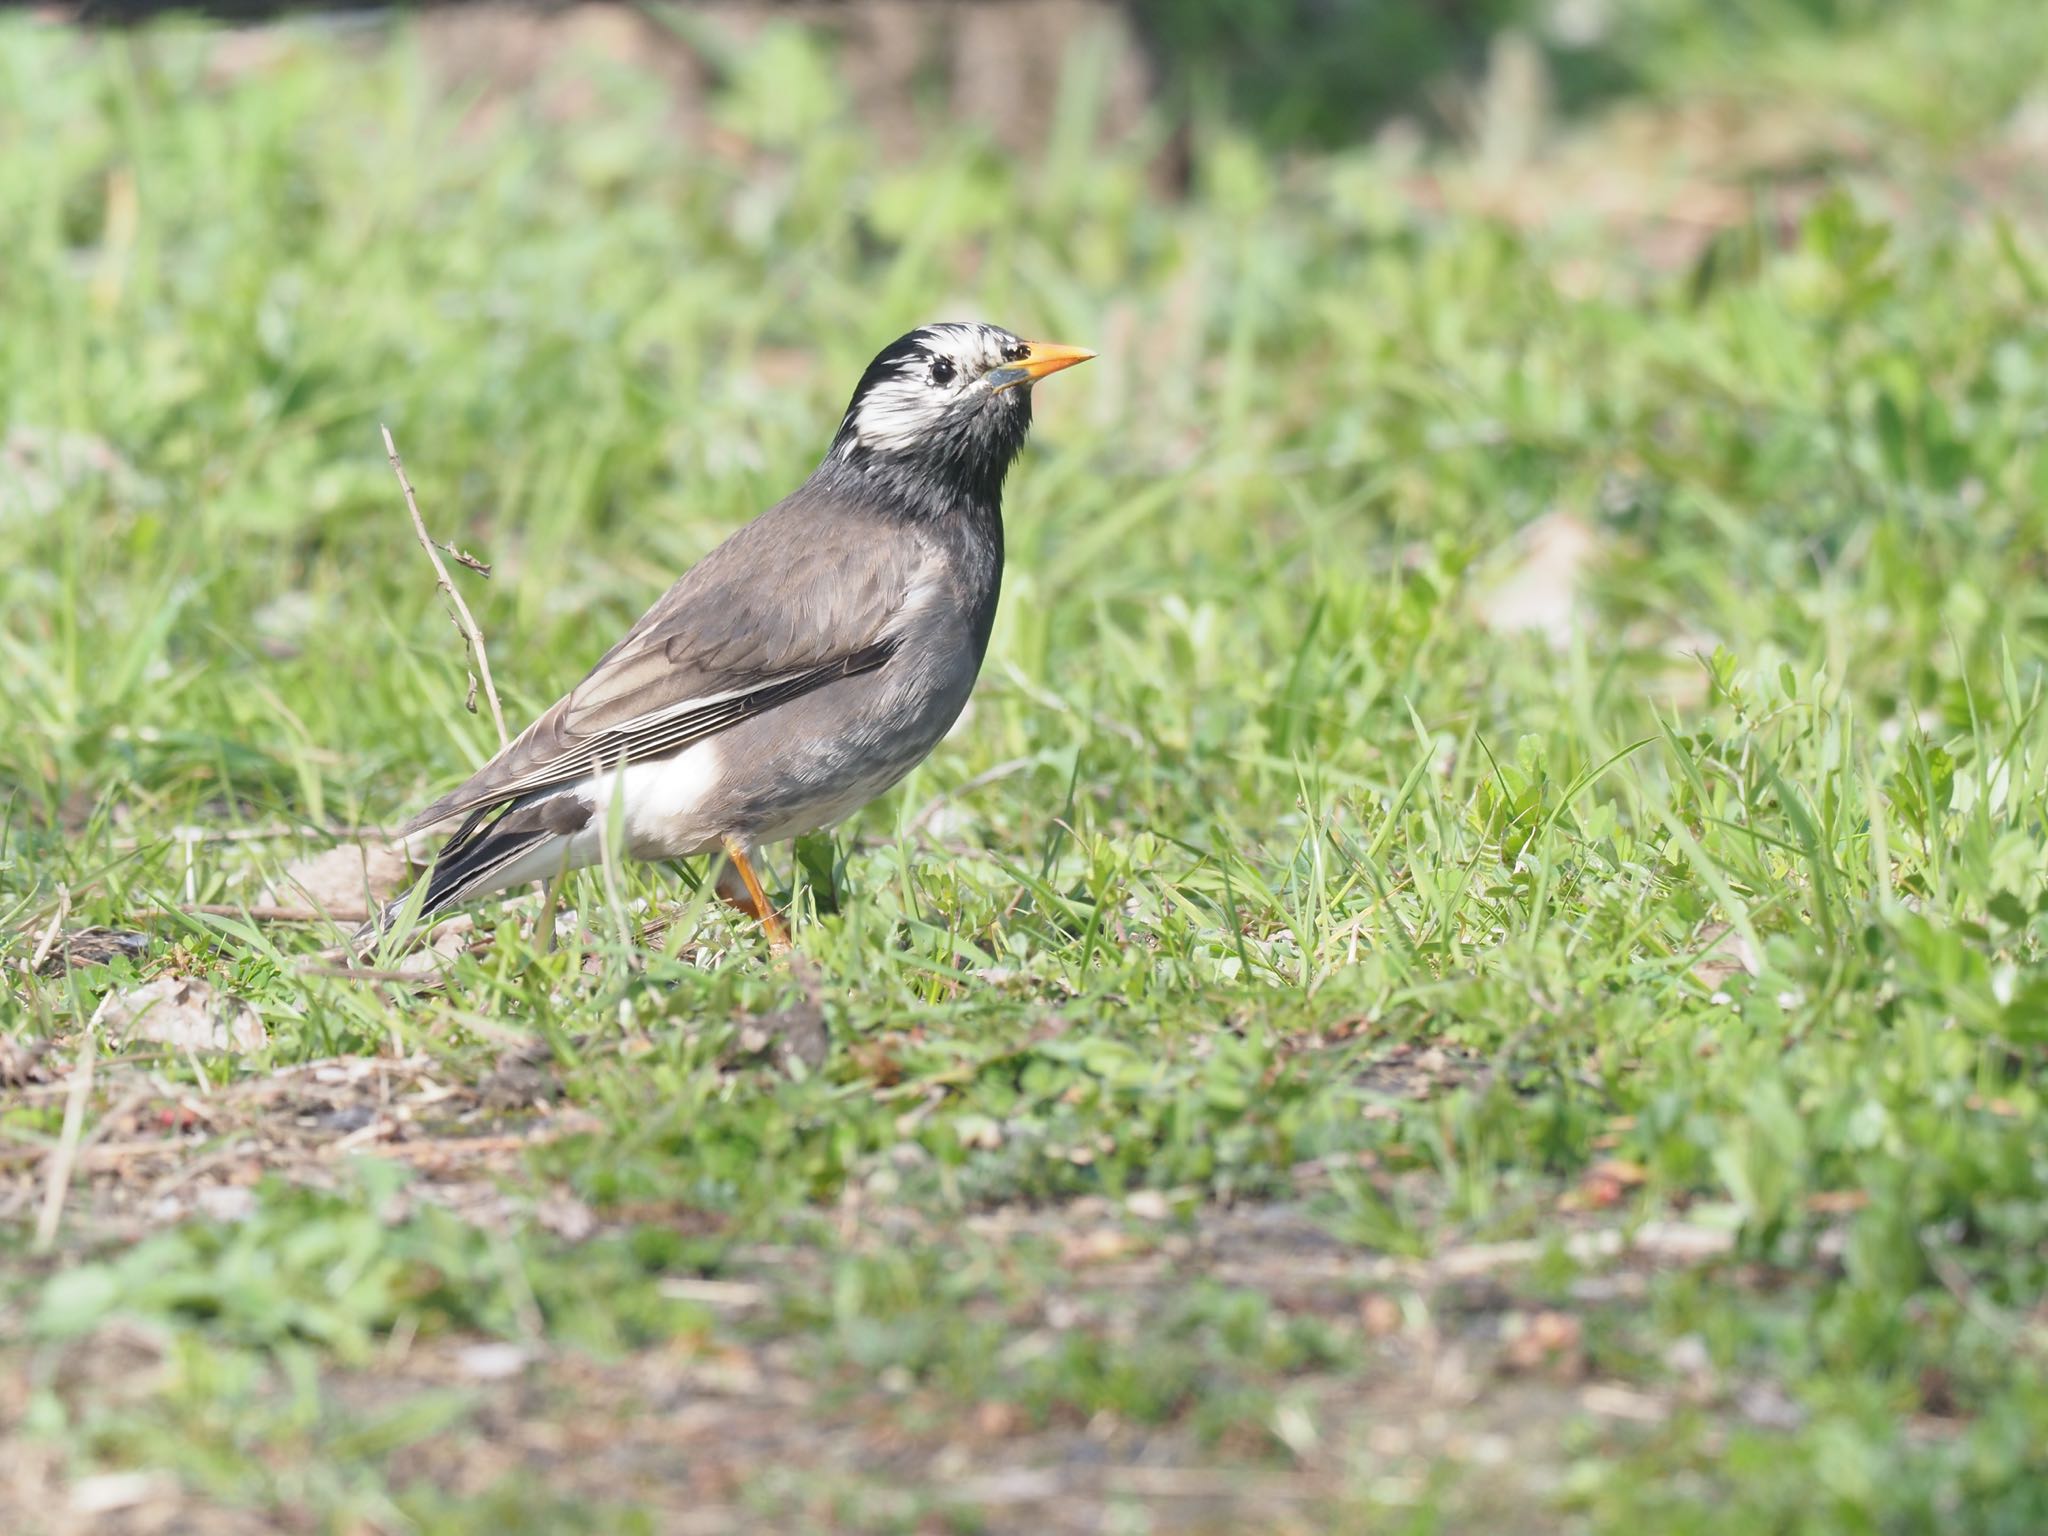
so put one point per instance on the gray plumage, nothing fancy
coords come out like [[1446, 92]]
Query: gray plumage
[[802, 667]]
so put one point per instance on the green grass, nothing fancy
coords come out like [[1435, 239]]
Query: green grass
[[1264, 882]]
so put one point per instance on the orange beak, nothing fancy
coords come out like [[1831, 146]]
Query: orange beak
[[1043, 358]]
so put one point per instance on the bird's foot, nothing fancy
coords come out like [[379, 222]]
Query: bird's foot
[[739, 886]]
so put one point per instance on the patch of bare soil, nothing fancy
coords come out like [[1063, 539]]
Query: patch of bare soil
[[1448, 1362], [158, 1152]]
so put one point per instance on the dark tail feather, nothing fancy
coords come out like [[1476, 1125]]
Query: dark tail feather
[[464, 868]]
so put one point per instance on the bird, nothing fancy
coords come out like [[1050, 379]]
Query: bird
[[793, 674]]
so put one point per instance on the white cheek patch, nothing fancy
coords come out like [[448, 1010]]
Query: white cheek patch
[[897, 414]]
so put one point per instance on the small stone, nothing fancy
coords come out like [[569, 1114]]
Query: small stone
[[1766, 1405], [1611, 1400], [994, 1419], [1101, 1245], [492, 1362], [225, 1202], [797, 1036], [1380, 1315], [1148, 1205], [567, 1217], [1687, 1356], [112, 1491], [1540, 1340], [184, 1013]]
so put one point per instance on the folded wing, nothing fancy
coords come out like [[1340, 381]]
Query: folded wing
[[789, 603]]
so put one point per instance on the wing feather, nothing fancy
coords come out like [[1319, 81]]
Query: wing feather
[[791, 602]]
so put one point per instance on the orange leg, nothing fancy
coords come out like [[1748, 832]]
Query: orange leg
[[750, 898]]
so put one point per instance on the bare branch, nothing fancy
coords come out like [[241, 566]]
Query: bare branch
[[471, 635]]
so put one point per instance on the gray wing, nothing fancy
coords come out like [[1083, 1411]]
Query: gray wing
[[803, 595]]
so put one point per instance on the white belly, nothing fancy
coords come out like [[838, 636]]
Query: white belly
[[660, 806]]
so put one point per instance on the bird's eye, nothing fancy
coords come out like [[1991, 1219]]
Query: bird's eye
[[942, 370], [1016, 352]]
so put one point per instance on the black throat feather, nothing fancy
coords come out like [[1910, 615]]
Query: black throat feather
[[954, 471], [949, 485]]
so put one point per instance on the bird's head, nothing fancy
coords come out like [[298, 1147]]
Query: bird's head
[[949, 403]]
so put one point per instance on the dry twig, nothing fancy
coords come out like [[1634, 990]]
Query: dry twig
[[471, 636], [462, 558], [49, 938], [255, 911], [271, 832], [425, 980], [57, 1182]]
